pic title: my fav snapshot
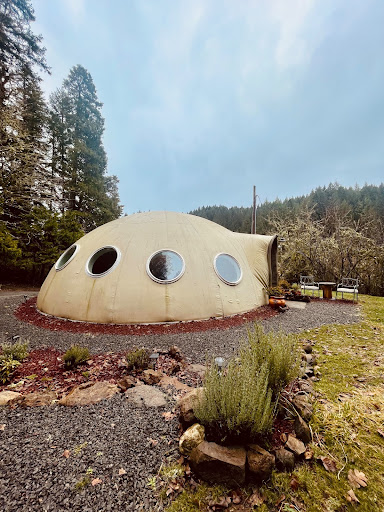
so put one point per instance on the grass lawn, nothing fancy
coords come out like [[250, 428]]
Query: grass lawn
[[348, 426]]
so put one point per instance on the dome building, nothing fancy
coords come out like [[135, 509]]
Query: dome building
[[159, 267]]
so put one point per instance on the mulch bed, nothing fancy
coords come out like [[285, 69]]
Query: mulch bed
[[28, 312]]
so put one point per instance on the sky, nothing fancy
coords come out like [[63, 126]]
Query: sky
[[203, 99]]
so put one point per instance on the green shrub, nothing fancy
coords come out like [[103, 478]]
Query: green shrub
[[240, 401], [278, 350], [137, 359], [7, 366], [17, 351], [75, 355]]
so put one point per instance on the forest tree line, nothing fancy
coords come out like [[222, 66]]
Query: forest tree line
[[331, 233], [54, 185]]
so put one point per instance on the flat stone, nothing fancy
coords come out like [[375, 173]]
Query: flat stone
[[8, 396], [285, 460], [303, 407], [260, 463], [219, 464], [302, 430], [151, 377], [296, 446], [89, 393], [38, 399], [186, 405], [200, 369], [191, 438], [146, 396], [167, 381]]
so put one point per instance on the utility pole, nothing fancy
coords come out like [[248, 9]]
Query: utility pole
[[253, 227]]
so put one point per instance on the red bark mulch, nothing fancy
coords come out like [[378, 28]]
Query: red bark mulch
[[28, 312]]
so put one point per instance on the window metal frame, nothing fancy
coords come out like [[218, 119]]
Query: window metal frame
[[59, 267], [118, 258], [167, 281], [230, 283]]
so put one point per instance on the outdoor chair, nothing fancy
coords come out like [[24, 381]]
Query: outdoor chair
[[348, 285], [308, 283]]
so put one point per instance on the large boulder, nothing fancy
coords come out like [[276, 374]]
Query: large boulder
[[187, 404], [89, 393], [8, 396], [145, 395], [260, 463], [219, 464], [191, 438]]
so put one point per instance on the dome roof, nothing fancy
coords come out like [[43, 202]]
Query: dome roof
[[158, 267]]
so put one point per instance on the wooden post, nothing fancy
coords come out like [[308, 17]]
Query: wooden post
[[253, 227]]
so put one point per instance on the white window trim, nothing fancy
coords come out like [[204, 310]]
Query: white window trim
[[60, 267], [118, 258], [220, 276], [167, 281]]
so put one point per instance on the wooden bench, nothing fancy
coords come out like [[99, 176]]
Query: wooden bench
[[348, 285]]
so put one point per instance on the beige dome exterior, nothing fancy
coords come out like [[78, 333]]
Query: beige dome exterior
[[127, 294]]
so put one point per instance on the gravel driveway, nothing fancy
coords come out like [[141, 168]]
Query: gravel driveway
[[114, 434]]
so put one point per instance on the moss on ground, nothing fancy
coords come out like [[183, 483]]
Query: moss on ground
[[348, 425]]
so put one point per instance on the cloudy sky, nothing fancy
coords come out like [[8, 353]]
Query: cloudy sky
[[205, 98]]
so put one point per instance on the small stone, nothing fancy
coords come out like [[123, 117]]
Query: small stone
[[285, 460], [302, 430], [8, 396], [308, 349], [38, 399], [175, 352], [295, 445], [219, 464], [126, 383], [260, 463], [191, 438], [200, 369], [186, 405], [303, 407], [306, 386], [151, 377]]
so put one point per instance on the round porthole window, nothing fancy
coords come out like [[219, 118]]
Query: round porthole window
[[103, 261], [66, 257], [165, 266], [228, 269]]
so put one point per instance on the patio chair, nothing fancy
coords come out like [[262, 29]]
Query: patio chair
[[308, 283], [348, 285]]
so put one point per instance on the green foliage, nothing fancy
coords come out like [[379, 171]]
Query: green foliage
[[240, 401], [17, 351], [75, 356], [137, 359], [7, 366], [277, 350]]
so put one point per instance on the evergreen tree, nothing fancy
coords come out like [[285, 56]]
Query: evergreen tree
[[78, 155]]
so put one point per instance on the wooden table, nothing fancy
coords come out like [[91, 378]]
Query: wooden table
[[326, 286]]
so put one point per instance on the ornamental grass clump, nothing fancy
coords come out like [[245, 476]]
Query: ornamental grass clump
[[137, 359], [75, 356], [17, 351], [239, 403]]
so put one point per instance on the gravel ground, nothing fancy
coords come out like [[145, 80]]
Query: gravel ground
[[34, 474]]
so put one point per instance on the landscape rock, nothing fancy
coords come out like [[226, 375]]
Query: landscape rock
[[145, 395], [260, 463], [200, 369], [191, 438], [302, 430], [37, 399], [186, 405], [167, 381], [303, 407], [308, 349], [310, 359], [89, 393], [306, 386], [126, 383], [151, 377], [175, 352], [219, 464], [8, 396], [285, 460], [295, 445]]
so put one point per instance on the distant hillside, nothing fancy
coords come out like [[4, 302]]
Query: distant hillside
[[356, 201]]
